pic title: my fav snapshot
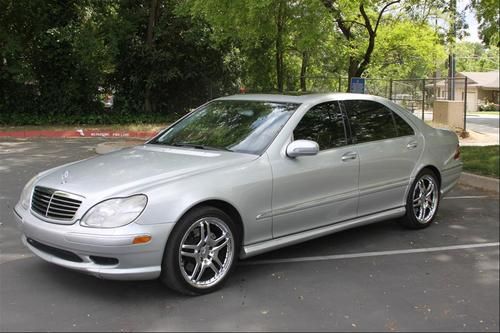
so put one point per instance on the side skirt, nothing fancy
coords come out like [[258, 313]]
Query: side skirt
[[276, 243]]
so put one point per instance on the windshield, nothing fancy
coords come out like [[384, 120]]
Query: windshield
[[239, 126]]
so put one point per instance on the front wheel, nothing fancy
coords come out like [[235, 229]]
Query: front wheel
[[423, 201], [201, 252]]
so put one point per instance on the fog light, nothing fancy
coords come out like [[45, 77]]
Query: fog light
[[141, 239]]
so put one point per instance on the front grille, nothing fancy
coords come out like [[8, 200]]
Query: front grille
[[60, 253], [54, 204]]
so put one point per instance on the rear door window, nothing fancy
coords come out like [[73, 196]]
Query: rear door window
[[402, 126], [370, 121]]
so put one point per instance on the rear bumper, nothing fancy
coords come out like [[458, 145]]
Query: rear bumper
[[449, 178], [86, 245]]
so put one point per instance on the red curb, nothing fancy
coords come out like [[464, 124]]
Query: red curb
[[78, 134]]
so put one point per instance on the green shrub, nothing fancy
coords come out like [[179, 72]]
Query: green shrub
[[489, 107]]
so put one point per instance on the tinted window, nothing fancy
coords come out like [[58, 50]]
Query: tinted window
[[240, 126], [402, 126], [370, 121], [324, 124]]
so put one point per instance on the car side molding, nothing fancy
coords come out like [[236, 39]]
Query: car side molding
[[276, 243]]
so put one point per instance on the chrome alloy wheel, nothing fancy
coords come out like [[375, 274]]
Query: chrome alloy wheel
[[206, 252], [425, 199]]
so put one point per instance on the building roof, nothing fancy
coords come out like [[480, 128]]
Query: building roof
[[483, 79], [486, 80]]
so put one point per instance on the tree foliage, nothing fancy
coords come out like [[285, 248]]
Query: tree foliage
[[488, 15], [53, 59], [161, 57], [270, 34], [406, 50], [475, 57], [359, 22], [60, 57]]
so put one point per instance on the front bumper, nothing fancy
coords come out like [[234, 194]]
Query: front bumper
[[129, 261]]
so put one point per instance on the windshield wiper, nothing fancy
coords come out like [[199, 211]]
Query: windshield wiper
[[197, 146]]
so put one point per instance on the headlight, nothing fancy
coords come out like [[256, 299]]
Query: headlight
[[114, 213], [24, 200]]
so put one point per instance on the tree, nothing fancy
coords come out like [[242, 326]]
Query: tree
[[475, 57], [52, 59], [487, 13], [255, 27], [58, 57], [270, 34], [358, 20], [154, 15], [167, 64], [406, 49], [309, 37], [161, 57]]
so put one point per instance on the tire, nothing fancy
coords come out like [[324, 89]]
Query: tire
[[207, 258], [422, 202]]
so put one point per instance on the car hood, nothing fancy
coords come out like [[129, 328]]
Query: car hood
[[132, 170]]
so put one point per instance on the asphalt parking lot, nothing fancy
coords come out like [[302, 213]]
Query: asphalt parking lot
[[379, 277]]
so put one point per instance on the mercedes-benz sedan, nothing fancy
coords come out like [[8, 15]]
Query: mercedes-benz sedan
[[239, 176]]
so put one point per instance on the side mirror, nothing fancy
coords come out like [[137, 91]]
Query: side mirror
[[302, 148]]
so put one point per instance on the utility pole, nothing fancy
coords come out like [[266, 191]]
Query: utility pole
[[451, 45]]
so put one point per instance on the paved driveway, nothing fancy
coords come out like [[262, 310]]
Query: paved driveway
[[375, 278]]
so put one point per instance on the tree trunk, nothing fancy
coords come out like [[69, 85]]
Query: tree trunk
[[279, 66], [303, 71], [280, 27], [358, 66], [153, 17], [352, 71]]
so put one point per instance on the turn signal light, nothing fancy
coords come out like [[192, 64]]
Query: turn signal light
[[457, 153], [141, 239]]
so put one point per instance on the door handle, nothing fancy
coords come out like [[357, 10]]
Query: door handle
[[349, 156], [412, 145]]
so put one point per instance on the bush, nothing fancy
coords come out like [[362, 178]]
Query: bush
[[90, 118], [55, 71], [489, 107]]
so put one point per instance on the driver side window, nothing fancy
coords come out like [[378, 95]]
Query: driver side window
[[323, 123]]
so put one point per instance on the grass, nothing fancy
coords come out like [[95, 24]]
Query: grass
[[481, 160], [131, 127], [478, 113]]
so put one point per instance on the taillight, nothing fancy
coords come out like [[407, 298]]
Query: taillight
[[457, 153]]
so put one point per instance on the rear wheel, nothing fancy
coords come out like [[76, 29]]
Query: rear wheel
[[201, 251], [423, 201]]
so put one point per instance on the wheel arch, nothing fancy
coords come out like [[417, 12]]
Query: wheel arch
[[434, 170], [226, 207], [169, 275]]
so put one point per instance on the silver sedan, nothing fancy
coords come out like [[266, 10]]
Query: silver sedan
[[239, 176]]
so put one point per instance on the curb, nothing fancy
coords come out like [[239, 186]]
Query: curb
[[481, 182], [79, 133]]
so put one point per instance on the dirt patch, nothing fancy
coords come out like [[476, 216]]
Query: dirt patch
[[470, 138], [479, 139]]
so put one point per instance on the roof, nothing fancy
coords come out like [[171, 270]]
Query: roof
[[487, 80], [308, 98], [484, 79]]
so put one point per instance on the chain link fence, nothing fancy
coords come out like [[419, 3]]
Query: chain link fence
[[417, 95]]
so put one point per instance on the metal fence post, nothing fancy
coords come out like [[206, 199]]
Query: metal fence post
[[465, 104], [423, 99], [390, 89]]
